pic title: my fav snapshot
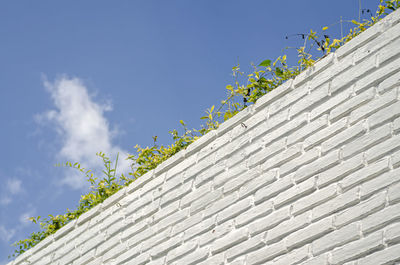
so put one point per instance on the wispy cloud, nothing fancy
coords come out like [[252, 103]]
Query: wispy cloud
[[14, 186], [24, 217], [6, 234], [81, 126]]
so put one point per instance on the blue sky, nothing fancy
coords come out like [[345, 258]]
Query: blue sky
[[78, 77]]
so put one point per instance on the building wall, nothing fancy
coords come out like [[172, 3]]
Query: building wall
[[310, 174]]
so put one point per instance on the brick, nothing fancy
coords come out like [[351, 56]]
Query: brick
[[387, 256], [302, 133], [269, 151], [294, 257], [165, 211], [392, 234], [196, 194], [205, 201], [266, 253], [234, 210], [215, 233], [381, 218], [214, 260], [269, 221], [114, 252], [195, 257], [361, 210], [287, 227], [394, 194], [220, 205], [180, 251], [382, 149], [107, 245], [209, 174], [319, 165], [257, 211], [336, 238], [364, 174], [380, 182], [297, 191], [307, 102], [320, 260], [187, 223], [200, 228], [160, 249], [340, 171], [287, 99], [309, 233], [133, 229], [245, 247], [139, 260], [257, 183], [373, 106], [384, 115], [129, 254], [344, 137], [339, 203], [173, 219], [229, 174], [357, 249], [316, 198], [366, 141], [155, 239], [331, 103], [240, 180], [396, 125], [233, 238], [283, 157], [389, 83], [353, 103], [326, 133], [176, 193], [273, 189], [295, 163]]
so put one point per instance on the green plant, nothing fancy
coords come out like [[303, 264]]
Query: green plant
[[246, 90]]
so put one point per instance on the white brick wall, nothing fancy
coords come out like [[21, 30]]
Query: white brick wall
[[313, 178]]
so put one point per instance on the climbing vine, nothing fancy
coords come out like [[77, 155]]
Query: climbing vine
[[245, 90]]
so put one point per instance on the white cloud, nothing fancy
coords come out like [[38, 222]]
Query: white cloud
[[24, 217], [14, 186], [5, 200], [6, 234], [81, 126]]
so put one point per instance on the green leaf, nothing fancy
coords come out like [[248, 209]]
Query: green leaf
[[265, 63]]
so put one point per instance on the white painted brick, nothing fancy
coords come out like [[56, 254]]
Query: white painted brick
[[331, 103], [320, 260], [107, 245], [366, 141], [392, 234], [387, 256], [245, 247], [283, 157], [384, 115], [139, 260], [255, 184], [297, 191], [394, 194], [316, 198], [141, 236], [301, 133], [380, 182], [365, 174], [114, 252], [353, 103], [155, 239], [286, 100], [129, 254], [219, 205], [396, 125], [382, 149], [267, 152], [273, 189], [133, 229], [309, 233], [229, 174], [205, 201], [381, 218], [361, 210], [257, 211], [209, 174], [339, 203], [177, 193], [294, 257], [216, 232], [241, 179], [344, 137], [324, 134], [266, 253], [214, 260], [389, 83], [196, 194], [319, 165], [188, 222], [194, 257], [269, 221], [336, 238], [180, 251], [373, 106], [200, 228], [294, 164], [309, 101], [162, 248], [165, 211], [173, 219], [234, 210], [340, 171], [357, 249], [229, 240], [287, 227]]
